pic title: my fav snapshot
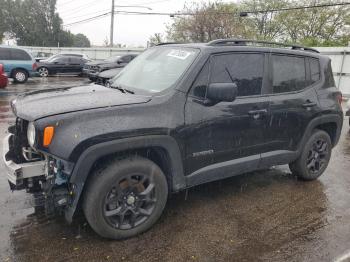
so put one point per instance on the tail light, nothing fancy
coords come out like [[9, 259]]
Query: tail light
[[35, 66], [340, 98], [1, 69]]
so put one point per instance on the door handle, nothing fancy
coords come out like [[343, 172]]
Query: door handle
[[309, 104], [256, 114]]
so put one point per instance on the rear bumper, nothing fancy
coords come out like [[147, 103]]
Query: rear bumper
[[18, 174]]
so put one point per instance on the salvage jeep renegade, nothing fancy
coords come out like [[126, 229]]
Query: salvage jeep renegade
[[177, 116]]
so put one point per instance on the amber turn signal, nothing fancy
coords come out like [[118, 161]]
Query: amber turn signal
[[48, 135]]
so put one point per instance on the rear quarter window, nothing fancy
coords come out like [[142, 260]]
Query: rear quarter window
[[17, 54], [315, 73]]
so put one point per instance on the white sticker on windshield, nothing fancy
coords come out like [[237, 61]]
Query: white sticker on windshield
[[180, 54]]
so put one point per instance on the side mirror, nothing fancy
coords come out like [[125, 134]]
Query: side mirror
[[120, 61], [221, 92]]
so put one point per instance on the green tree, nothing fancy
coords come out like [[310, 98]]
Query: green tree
[[264, 25], [80, 40], [36, 23], [327, 26], [209, 21], [155, 39]]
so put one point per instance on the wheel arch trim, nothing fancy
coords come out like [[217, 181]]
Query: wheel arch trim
[[92, 154], [337, 119]]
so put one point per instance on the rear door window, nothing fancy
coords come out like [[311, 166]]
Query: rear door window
[[288, 73], [17, 54], [75, 60]]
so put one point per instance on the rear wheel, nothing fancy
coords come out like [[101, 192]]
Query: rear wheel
[[125, 198], [314, 157], [43, 72], [20, 76]]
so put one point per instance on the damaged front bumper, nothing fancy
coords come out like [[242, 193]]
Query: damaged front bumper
[[20, 176]]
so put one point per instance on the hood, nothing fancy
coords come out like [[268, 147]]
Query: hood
[[102, 63], [110, 65], [110, 73], [38, 104]]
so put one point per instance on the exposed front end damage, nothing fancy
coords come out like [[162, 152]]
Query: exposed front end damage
[[39, 174]]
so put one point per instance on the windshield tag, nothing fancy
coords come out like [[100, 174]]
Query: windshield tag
[[180, 54]]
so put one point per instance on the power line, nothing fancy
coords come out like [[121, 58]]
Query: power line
[[88, 19], [218, 13], [88, 14], [75, 9], [295, 8], [65, 3]]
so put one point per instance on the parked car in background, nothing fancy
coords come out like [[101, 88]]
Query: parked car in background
[[104, 77], [348, 109], [18, 63], [38, 56], [92, 69], [66, 54], [62, 64], [3, 77]]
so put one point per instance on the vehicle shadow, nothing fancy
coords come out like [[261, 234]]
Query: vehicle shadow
[[240, 218]]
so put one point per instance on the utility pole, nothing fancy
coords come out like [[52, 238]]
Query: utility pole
[[112, 25]]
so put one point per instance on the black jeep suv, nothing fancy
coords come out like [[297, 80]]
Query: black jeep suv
[[177, 116]]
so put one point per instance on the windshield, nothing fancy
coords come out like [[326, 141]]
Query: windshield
[[156, 69]]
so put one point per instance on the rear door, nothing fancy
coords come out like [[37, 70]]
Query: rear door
[[293, 100], [75, 65]]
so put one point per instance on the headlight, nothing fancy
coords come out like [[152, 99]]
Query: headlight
[[31, 134]]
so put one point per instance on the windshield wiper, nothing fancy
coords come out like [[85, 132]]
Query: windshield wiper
[[123, 90]]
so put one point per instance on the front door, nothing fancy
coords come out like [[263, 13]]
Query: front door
[[228, 130]]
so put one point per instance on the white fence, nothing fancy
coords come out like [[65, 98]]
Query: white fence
[[341, 66], [97, 53], [340, 59]]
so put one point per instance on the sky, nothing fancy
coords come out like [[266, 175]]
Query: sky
[[131, 30]]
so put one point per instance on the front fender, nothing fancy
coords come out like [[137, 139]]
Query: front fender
[[95, 152]]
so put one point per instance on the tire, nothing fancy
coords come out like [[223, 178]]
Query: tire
[[43, 72], [314, 157], [20, 76], [125, 198]]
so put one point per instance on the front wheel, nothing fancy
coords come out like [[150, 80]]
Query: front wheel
[[125, 198], [43, 72], [314, 157]]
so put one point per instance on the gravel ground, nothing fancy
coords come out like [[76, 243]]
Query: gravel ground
[[261, 216]]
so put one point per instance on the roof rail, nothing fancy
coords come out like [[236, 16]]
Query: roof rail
[[243, 42]]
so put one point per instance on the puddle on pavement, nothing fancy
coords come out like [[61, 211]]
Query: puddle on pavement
[[266, 215]]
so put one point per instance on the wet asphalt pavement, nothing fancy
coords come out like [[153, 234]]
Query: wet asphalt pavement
[[261, 216]]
